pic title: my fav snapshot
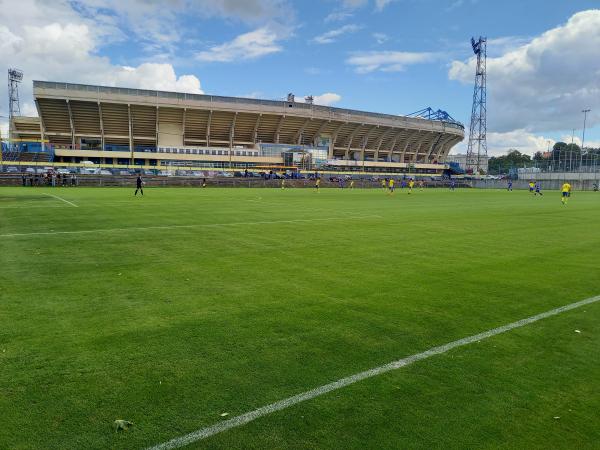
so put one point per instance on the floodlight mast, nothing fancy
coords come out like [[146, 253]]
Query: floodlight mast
[[15, 76], [477, 147]]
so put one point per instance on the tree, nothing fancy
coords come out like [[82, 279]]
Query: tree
[[513, 159], [539, 156]]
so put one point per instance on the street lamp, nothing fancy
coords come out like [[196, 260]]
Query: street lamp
[[585, 113]]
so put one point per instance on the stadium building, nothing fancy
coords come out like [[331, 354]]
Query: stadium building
[[121, 126]]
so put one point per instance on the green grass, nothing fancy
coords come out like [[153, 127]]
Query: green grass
[[170, 327]]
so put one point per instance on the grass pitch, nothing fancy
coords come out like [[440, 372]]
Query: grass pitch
[[170, 314]]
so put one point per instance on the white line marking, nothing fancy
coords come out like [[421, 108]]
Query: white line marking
[[32, 206], [61, 199], [343, 382], [170, 227]]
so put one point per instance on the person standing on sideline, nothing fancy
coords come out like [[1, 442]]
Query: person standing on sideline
[[138, 185]]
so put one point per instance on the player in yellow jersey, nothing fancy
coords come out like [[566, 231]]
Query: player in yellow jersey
[[384, 184], [566, 193], [351, 184], [411, 184], [391, 186], [531, 186], [317, 184]]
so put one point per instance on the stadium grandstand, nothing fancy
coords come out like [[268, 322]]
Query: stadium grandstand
[[120, 126]]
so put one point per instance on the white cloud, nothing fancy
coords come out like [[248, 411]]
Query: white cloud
[[251, 45], [381, 38], [388, 61], [332, 35], [352, 4], [338, 16], [525, 142], [157, 21], [577, 140], [313, 71], [355, 4], [155, 76], [326, 99], [53, 41], [380, 4], [501, 143], [543, 84]]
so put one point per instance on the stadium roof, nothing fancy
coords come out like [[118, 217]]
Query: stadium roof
[[133, 117]]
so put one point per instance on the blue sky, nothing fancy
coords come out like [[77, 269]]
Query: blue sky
[[392, 56]]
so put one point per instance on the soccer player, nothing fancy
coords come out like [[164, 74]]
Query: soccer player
[[566, 193], [391, 186], [139, 183], [421, 185], [411, 184], [509, 185], [317, 184], [538, 188], [351, 184], [283, 183], [384, 184], [531, 186]]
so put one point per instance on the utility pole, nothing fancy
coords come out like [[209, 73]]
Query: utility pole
[[585, 113]]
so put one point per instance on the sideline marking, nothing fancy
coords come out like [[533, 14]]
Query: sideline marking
[[243, 419], [32, 206], [61, 199], [170, 227]]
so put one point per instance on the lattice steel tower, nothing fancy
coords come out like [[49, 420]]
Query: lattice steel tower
[[15, 76], [477, 148]]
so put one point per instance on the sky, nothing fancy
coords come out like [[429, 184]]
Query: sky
[[388, 56]]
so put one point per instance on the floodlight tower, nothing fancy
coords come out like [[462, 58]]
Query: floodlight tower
[[477, 148], [15, 76]]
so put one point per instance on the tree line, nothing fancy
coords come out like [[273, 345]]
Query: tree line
[[563, 156]]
